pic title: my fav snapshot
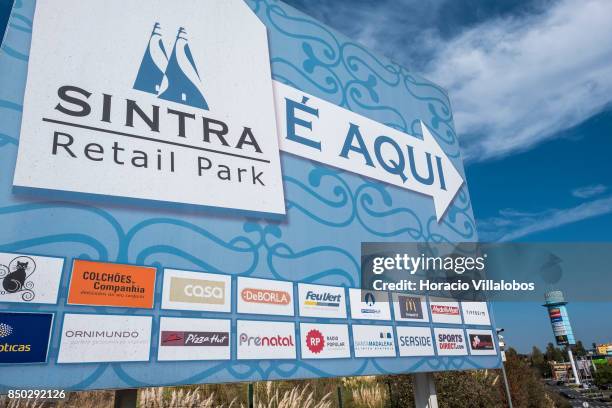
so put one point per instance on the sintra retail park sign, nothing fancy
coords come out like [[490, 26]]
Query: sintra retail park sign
[[191, 182]]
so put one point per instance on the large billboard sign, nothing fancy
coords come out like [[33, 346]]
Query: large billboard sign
[[184, 190]]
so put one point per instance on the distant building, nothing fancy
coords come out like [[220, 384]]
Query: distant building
[[604, 349]]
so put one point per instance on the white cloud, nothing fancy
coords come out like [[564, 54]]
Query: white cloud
[[516, 82], [511, 225], [589, 191]]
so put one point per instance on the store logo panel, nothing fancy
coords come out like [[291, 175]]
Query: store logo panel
[[189, 339], [450, 342], [186, 290], [322, 301], [476, 313], [107, 284], [172, 115], [445, 311], [369, 305], [414, 341], [259, 340], [264, 296], [24, 337], [410, 308], [88, 338], [29, 278], [320, 341], [481, 342], [373, 341]]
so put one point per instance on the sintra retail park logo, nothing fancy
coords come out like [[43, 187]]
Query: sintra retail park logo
[[174, 79]]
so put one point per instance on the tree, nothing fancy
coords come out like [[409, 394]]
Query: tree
[[579, 349], [603, 376], [554, 353], [539, 363]]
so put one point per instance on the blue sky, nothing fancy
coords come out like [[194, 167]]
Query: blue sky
[[531, 87]]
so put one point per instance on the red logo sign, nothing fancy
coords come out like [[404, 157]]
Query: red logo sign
[[315, 341], [445, 310], [275, 297]]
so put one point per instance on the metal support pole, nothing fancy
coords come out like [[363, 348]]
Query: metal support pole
[[506, 385], [571, 359], [126, 398], [250, 397], [425, 391], [340, 402]]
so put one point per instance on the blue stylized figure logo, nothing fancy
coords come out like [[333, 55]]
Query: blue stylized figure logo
[[175, 79]]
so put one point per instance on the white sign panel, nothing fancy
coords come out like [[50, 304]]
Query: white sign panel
[[414, 341], [475, 313], [324, 341], [318, 130], [481, 342], [185, 290], [89, 338], [264, 296], [445, 311], [450, 342], [258, 340], [410, 308], [373, 341], [193, 339], [29, 278], [322, 301], [143, 100], [369, 305]]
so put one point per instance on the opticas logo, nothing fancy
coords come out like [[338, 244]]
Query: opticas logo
[[322, 299], [445, 310], [197, 291], [267, 296], [266, 341], [201, 339], [5, 331], [481, 342], [450, 342]]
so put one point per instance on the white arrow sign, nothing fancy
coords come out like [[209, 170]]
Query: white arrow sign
[[319, 130]]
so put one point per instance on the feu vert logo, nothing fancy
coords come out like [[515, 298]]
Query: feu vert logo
[[175, 78]]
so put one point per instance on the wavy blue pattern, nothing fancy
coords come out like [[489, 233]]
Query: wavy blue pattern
[[330, 212]]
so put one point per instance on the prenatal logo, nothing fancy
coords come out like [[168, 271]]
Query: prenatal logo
[[175, 78]]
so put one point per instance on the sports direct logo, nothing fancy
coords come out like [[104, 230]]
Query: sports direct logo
[[445, 310], [266, 341], [315, 341], [322, 299], [450, 342], [266, 296]]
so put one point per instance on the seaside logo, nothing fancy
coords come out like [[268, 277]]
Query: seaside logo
[[175, 78]]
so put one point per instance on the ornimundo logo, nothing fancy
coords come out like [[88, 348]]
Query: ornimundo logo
[[175, 78]]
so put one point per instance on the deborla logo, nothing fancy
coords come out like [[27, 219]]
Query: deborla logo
[[274, 297], [24, 337], [170, 112]]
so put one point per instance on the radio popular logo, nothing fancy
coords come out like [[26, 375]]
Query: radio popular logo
[[24, 337], [175, 78], [320, 341]]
